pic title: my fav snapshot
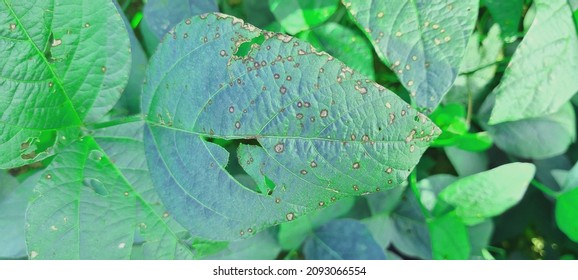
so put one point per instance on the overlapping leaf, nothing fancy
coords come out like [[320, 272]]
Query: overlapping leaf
[[541, 76], [56, 71], [300, 15], [422, 41], [324, 132]]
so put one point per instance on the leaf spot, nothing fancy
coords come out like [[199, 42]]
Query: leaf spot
[[398, 34], [299, 116], [48, 176], [237, 125], [389, 170], [290, 216], [56, 42], [321, 203], [121, 245], [323, 113], [355, 188], [277, 200], [12, 26], [313, 164], [283, 90], [87, 25], [103, 69], [279, 148], [356, 165], [303, 172], [53, 228], [33, 254], [380, 15], [232, 109]]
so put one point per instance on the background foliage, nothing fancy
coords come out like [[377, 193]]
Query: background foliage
[[319, 129]]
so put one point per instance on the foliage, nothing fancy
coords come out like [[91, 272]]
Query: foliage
[[294, 129]]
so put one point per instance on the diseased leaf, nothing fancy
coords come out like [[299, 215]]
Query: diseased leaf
[[541, 76], [567, 213], [507, 14], [86, 207], [449, 238], [14, 199], [159, 16], [422, 41], [324, 132], [344, 239], [56, 72], [488, 193], [300, 15], [346, 44], [542, 137]]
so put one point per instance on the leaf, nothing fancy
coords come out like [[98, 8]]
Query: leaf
[[567, 213], [449, 238], [381, 228], [467, 163], [422, 41], [571, 180], [262, 246], [430, 188], [540, 78], [507, 14], [385, 201], [324, 133], [543, 136], [300, 15], [488, 193], [411, 237], [344, 43], [292, 234], [344, 239], [58, 71], [258, 13], [480, 236], [85, 208], [13, 202]]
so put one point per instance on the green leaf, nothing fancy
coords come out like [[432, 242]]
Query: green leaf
[[571, 180], [488, 193], [58, 71], [292, 234], [262, 246], [449, 238], [430, 188], [480, 236], [567, 213], [507, 14], [381, 228], [344, 239], [385, 201], [86, 207], [542, 137], [346, 44], [422, 41], [13, 202], [541, 76], [411, 236], [324, 132], [299, 15], [465, 162]]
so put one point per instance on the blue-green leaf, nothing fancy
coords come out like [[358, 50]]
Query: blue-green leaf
[[324, 132]]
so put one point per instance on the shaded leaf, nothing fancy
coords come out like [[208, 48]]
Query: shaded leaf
[[14, 199], [344, 239], [57, 71], [480, 236], [488, 193], [543, 136], [411, 237], [541, 76], [262, 246], [385, 201], [465, 162], [300, 15], [422, 41], [507, 14], [324, 132], [381, 228], [449, 238], [430, 188]]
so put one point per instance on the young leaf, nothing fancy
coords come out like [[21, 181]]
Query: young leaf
[[567, 213], [324, 132], [488, 193], [541, 76], [344, 239], [422, 41], [449, 238], [58, 71], [300, 15]]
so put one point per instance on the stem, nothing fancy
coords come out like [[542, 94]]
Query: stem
[[545, 189], [482, 67], [415, 190], [129, 119]]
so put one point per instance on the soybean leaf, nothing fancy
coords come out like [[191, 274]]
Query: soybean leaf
[[422, 41], [385, 201], [14, 199], [488, 193], [262, 246], [300, 15], [541, 76], [344, 239], [258, 13], [86, 207], [543, 136], [480, 236], [411, 236], [507, 14], [430, 188], [159, 16], [571, 180], [324, 132], [57, 71], [567, 213], [465, 162], [449, 238], [292, 234], [381, 228], [346, 44]]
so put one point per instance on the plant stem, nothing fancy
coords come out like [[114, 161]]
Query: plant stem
[[129, 119], [545, 189], [415, 190]]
